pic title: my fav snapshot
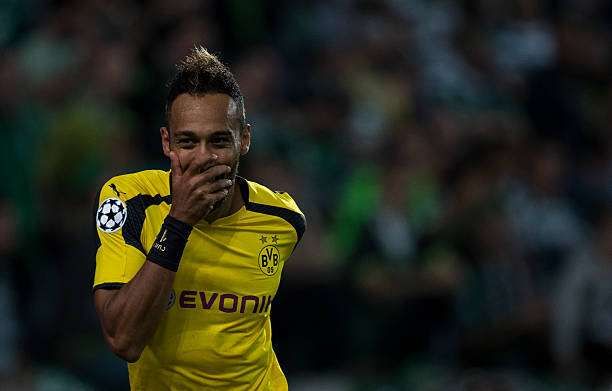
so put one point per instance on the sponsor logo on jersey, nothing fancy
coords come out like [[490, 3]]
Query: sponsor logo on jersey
[[111, 215], [224, 302]]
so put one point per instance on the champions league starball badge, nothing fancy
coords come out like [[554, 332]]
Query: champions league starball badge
[[111, 215]]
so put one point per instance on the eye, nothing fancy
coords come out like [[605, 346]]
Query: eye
[[186, 143], [221, 140]]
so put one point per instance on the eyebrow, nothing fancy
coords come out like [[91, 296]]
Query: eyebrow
[[191, 133], [184, 133], [224, 132]]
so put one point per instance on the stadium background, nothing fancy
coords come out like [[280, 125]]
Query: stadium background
[[453, 159]]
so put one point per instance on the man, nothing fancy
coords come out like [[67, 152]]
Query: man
[[189, 260]]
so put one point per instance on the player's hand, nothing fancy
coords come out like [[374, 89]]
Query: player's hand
[[195, 193]]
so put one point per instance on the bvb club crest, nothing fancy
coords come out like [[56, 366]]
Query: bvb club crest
[[269, 256]]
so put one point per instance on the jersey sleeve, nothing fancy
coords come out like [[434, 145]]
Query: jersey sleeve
[[294, 216], [117, 260]]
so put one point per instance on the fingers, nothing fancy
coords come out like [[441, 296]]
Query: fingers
[[175, 164], [219, 185], [209, 188], [219, 195], [211, 175], [216, 197], [210, 194], [196, 167]]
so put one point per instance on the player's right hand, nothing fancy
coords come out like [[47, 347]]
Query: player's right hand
[[195, 193]]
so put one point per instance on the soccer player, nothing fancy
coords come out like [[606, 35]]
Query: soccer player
[[189, 260]]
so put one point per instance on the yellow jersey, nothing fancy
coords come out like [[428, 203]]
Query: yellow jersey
[[216, 332]]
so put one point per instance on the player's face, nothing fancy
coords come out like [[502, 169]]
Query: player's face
[[202, 126]]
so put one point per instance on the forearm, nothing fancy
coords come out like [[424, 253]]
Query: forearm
[[131, 316]]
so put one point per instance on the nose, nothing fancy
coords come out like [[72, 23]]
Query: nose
[[204, 157]]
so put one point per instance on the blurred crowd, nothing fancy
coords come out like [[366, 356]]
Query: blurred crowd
[[453, 158]]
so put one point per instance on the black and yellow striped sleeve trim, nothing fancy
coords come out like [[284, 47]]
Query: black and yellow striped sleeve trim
[[136, 208]]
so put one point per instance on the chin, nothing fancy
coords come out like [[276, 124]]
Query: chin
[[219, 204], [222, 202], [230, 175]]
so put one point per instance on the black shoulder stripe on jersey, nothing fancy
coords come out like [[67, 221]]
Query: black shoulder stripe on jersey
[[136, 207], [111, 286], [95, 225], [244, 189], [294, 218]]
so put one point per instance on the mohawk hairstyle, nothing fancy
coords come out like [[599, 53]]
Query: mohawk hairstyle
[[200, 73]]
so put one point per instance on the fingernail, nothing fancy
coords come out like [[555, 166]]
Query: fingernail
[[214, 156]]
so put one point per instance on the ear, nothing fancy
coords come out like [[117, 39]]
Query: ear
[[165, 140], [245, 139]]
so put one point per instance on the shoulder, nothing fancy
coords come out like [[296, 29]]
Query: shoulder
[[121, 204], [137, 184], [260, 199], [260, 194]]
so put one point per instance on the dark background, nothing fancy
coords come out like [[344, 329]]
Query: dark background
[[453, 159]]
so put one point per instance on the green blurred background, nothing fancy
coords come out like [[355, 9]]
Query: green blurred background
[[453, 158]]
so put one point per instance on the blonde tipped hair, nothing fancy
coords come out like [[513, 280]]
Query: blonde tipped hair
[[201, 72], [199, 57]]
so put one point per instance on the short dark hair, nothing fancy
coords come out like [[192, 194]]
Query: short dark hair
[[200, 73]]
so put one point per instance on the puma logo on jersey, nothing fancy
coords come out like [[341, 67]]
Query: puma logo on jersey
[[117, 191]]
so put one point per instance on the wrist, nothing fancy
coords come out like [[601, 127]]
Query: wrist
[[167, 249], [182, 219]]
